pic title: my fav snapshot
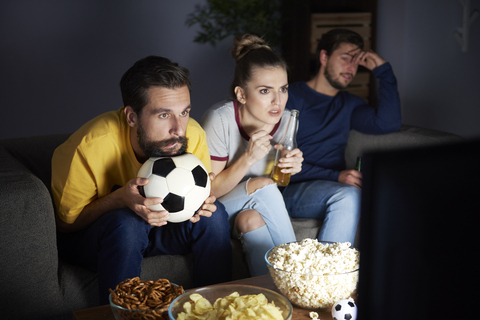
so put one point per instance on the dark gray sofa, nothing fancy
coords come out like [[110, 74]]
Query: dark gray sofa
[[36, 284]]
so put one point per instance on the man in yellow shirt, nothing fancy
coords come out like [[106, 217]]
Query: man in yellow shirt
[[104, 223]]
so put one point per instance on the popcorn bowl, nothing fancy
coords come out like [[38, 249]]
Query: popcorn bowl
[[214, 292], [314, 275]]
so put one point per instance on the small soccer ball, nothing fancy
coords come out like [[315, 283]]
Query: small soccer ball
[[344, 310], [181, 181]]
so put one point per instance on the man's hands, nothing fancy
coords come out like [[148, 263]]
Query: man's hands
[[292, 162], [208, 207], [368, 59], [351, 177], [135, 201]]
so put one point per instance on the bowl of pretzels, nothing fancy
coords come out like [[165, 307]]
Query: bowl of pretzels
[[137, 299]]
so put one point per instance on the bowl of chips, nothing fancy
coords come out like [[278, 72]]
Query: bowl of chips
[[137, 299], [230, 300], [313, 274]]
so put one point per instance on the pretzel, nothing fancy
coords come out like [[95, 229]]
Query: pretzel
[[151, 297]]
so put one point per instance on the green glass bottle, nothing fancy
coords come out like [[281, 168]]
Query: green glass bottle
[[358, 166]]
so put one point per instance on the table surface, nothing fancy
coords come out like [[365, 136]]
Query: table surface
[[105, 312]]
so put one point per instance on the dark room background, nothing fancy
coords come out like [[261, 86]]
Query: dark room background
[[61, 61]]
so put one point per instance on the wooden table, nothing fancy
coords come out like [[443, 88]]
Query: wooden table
[[105, 312]]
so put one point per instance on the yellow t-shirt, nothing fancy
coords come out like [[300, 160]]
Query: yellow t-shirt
[[99, 156]]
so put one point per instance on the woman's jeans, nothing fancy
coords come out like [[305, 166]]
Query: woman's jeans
[[336, 204], [267, 201], [116, 243]]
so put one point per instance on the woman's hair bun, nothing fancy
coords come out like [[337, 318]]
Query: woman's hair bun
[[245, 43]]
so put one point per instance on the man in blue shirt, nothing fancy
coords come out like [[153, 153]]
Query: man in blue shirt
[[324, 189]]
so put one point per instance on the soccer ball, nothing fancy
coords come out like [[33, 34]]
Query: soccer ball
[[344, 310], [181, 181]]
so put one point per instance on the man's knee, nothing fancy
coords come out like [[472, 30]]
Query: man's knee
[[248, 220], [347, 196], [217, 222], [258, 183], [352, 192], [220, 212]]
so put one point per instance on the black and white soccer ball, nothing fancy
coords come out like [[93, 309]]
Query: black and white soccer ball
[[344, 310], [181, 181]]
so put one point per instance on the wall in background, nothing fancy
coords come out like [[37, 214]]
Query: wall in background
[[439, 84], [61, 61]]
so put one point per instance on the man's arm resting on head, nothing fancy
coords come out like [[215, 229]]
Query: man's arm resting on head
[[386, 117], [126, 196], [369, 59]]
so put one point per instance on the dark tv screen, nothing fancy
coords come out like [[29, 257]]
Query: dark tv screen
[[419, 234]]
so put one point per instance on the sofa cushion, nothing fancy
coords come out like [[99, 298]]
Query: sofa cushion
[[306, 228], [406, 137]]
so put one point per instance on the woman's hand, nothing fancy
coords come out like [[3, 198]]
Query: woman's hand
[[258, 146], [292, 162]]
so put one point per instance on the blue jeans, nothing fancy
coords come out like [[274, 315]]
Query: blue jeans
[[336, 204], [116, 243], [267, 201]]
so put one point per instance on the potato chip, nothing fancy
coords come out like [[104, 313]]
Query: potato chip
[[187, 306], [202, 306], [221, 303], [231, 307], [273, 311], [194, 297]]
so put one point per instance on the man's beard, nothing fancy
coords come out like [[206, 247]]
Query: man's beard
[[334, 83], [155, 148]]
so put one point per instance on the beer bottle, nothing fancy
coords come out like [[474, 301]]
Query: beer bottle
[[286, 144], [358, 166]]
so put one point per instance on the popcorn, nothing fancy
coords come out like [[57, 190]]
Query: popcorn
[[312, 274]]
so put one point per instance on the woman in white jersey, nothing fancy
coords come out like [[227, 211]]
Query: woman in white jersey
[[241, 134]]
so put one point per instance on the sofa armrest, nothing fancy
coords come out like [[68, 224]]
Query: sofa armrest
[[28, 255], [407, 137]]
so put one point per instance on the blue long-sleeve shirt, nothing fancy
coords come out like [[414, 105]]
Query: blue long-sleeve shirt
[[325, 123]]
